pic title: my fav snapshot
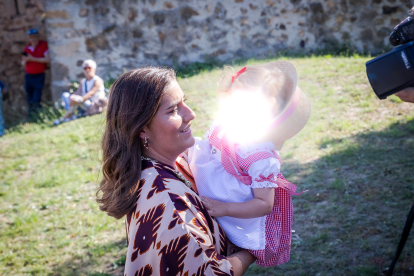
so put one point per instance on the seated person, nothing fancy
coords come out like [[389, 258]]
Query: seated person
[[90, 97]]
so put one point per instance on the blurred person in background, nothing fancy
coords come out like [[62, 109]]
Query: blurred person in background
[[34, 59], [90, 97], [1, 113]]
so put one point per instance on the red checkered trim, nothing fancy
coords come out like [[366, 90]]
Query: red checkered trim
[[279, 221], [278, 232], [244, 163]]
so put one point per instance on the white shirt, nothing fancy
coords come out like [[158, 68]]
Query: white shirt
[[215, 182], [89, 84]]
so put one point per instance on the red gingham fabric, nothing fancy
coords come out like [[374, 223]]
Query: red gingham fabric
[[279, 221]]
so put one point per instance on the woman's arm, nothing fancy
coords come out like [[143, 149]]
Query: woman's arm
[[406, 95], [261, 205], [72, 101], [44, 59], [241, 261], [172, 235]]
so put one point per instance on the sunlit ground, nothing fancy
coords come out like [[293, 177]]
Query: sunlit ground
[[356, 156]]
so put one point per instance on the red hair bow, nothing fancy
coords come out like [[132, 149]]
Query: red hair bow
[[237, 74]]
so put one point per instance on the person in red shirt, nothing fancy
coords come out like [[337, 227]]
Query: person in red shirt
[[34, 59]]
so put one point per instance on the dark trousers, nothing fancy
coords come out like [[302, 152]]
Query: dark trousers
[[33, 83]]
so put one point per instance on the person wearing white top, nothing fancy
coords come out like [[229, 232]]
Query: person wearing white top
[[90, 97]]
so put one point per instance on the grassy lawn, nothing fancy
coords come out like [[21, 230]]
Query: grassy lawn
[[356, 156]]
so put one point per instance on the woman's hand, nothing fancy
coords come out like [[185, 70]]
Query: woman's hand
[[240, 261], [75, 100], [406, 95], [232, 248], [214, 207]]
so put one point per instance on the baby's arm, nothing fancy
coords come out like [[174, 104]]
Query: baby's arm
[[261, 205], [263, 174]]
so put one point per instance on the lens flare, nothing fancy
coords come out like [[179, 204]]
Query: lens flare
[[245, 116]]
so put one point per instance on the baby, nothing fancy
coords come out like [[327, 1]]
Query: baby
[[237, 166]]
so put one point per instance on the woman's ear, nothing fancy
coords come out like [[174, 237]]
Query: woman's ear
[[144, 133]]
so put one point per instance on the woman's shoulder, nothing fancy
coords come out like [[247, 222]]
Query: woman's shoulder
[[170, 215], [162, 182], [158, 189], [158, 175], [98, 78]]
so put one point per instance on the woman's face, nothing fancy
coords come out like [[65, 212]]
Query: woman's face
[[89, 71], [169, 133]]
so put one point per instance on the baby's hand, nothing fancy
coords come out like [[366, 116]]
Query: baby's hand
[[231, 248], [214, 207]]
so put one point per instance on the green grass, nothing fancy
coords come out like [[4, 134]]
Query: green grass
[[355, 157]]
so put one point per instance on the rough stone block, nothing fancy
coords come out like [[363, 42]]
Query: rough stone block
[[151, 56], [318, 14], [109, 28], [133, 13], [366, 35], [60, 14], [168, 5], [58, 25], [389, 10], [137, 33], [219, 11], [395, 22], [384, 32], [66, 50], [186, 13], [96, 42], [270, 3], [357, 2], [83, 12], [331, 6], [159, 18], [340, 18]]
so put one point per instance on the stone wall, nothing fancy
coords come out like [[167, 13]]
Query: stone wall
[[124, 34], [14, 24]]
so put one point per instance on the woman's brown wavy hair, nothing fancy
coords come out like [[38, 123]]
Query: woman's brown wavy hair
[[134, 99]]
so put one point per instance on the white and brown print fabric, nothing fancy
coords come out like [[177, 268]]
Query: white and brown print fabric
[[170, 232]]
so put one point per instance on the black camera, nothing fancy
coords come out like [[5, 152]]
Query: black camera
[[394, 71]]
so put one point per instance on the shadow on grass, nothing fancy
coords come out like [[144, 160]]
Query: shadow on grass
[[350, 221], [100, 260], [40, 119]]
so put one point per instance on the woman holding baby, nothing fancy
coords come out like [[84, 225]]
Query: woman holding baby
[[152, 166]]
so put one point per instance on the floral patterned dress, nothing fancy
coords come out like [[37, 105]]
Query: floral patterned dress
[[169, 231]]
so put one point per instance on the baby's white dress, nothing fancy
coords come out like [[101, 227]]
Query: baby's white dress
[[268, 237]]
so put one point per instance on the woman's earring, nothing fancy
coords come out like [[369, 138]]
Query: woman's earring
[[146, 144]]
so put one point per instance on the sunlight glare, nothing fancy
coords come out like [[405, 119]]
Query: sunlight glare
[[245, 116]]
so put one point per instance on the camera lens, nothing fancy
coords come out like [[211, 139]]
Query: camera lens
[[394, 39]]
